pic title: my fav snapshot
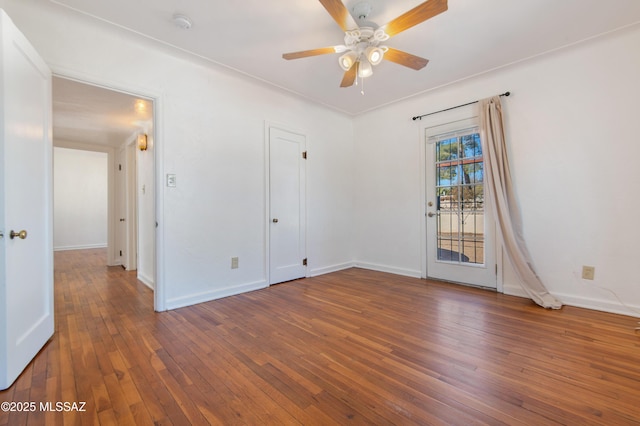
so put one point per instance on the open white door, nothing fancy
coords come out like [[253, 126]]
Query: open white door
[[120, 252], [287, 242], [26, 245]]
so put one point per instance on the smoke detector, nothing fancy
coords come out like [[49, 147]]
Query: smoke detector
[[182, 21]]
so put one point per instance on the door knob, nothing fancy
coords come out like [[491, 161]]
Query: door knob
[[431, 214], [22, 234], [274, 220]]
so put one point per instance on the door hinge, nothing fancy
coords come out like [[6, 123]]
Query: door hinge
[[304, 262], [120, 252], [120, 167], [496, 269], [304, 155]]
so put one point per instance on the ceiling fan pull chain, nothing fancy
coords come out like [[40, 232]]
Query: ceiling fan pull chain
[[362, 89]]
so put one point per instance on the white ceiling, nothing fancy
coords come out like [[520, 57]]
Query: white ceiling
[[250, 36]]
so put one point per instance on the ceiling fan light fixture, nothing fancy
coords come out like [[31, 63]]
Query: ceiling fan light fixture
[[364, 69], [374, 55], [347, 60]]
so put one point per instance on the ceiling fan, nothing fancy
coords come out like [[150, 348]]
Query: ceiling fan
[[363, 48]]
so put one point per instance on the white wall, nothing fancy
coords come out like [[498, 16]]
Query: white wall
[[80, 199], [570, 122], [571, 125], [211, 127]]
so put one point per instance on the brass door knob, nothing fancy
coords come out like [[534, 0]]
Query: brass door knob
[[22, 234], [431, 214]]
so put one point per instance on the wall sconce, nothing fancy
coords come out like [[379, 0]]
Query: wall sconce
[[142, 142]]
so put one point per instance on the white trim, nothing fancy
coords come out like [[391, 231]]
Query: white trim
[[514, 290], [148, 281], [582, 302], [599, 305], [330, 269], [180, 302], [81, 247], [386, 268]]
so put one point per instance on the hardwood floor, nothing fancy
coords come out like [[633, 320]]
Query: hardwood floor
[[355, 346]]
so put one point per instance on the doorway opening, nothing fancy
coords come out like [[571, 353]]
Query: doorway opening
[[98, 122]]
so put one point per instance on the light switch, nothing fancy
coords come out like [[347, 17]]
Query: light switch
[[171, 180]]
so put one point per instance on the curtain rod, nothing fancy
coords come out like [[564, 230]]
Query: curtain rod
[[457, 106]]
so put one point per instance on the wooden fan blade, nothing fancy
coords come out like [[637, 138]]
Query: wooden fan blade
[[415, 16], [307, 53], [340, 14], [349, 77], [406, 59]]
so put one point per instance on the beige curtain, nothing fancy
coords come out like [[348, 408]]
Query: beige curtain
[[502, 197]]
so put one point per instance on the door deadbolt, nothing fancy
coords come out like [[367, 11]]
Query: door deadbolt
[[22, 234], [274, 220]]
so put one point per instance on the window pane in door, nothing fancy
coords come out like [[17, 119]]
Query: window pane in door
[[460, 199]]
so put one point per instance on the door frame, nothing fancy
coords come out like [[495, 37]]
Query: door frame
[[267, 206], [159, 298], [458, 114]]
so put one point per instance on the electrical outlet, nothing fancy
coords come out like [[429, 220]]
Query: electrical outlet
[[588, 272], [234, 263]]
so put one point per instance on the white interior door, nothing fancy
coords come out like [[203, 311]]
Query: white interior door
[[460, 227], [120, 254], [131, 228], [287, 232], [26, 258]]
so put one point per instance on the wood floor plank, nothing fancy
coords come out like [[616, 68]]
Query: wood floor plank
[[354, 346]]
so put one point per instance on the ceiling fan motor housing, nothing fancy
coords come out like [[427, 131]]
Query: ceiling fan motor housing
[[363, 43]]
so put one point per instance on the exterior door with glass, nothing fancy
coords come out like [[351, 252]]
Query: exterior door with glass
[[460, 228]]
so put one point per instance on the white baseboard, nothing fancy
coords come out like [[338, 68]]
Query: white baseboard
[[82, 247], [390, 269], [514, 290], [148, 281], [207, 296], [582, 302], [599, 305], [329, 269]]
